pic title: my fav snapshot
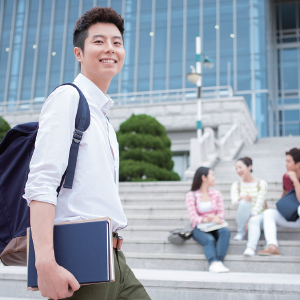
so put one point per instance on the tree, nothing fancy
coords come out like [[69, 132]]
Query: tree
[[4, 127], [145, 153]]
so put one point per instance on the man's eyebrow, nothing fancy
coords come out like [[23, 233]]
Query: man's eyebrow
[[102, 36]]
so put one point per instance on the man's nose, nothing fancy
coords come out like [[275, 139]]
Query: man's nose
[[109, 48]]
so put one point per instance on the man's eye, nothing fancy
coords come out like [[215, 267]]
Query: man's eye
[[118, 43], [98, 42]]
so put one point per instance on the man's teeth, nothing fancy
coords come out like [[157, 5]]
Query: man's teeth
[[107, 61]]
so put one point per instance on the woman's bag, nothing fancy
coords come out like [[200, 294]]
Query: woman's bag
[[288, 206], [179, 236]]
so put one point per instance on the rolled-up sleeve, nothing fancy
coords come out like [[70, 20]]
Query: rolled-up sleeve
[[50, 157]]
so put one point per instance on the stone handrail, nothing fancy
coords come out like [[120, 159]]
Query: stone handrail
[[202, 153], [230, 144], [206, 152]]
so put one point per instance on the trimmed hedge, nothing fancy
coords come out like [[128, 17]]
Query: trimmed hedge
[[4, 127], [145, 153]]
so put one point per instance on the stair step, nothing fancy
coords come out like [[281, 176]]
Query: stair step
[[162, 232], [195, 285], [162, 210], [198, 262], [287, 248], [13, 284], [142, 197]]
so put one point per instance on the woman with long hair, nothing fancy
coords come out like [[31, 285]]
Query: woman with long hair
[[250, 196], [204, 206]]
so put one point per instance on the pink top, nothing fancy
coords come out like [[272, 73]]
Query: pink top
[[195, 215]]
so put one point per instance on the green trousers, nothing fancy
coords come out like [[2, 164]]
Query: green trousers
[[125, 286]]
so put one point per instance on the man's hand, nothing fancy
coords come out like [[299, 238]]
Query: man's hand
[[56, 282], [292, 175]]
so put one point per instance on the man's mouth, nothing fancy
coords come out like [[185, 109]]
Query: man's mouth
[[108, 61]]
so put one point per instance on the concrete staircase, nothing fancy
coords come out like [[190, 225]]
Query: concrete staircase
[[171, 272], [179, 272]]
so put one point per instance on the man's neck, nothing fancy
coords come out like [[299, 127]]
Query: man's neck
[[298, 174], [101, 83]]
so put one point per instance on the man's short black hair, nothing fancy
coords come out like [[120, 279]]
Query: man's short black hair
[[295, 153], [93, 16]]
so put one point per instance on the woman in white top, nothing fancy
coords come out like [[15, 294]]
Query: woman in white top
[[250, 196]]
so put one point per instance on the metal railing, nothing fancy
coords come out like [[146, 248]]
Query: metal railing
[[135, 98]]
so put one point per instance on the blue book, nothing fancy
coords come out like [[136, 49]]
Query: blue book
[[84, 248]]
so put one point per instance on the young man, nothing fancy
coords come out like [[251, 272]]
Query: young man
[[271, 216], [98, 41]]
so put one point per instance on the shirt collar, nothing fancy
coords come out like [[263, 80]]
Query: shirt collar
[[104, 102]]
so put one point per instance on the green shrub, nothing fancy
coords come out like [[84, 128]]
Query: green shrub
[[145, 153], [4, 127]]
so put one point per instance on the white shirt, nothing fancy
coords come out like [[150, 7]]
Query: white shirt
[[205, 206], [95, 186]]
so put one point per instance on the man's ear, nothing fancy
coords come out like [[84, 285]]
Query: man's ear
[[78, 54], [298, 165]]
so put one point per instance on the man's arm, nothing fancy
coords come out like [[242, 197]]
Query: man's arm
[[296, 183], [54, 281], [297, 189], [283, 193]]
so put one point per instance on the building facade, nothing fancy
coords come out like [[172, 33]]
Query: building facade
[[254, 44]]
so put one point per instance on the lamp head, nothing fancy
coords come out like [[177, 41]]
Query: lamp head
[[193, 77], [208, 63]]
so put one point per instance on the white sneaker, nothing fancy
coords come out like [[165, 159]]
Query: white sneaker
[[249, 252], [218, 267], [239, 237]]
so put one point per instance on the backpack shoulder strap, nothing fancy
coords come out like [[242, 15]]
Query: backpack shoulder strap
[[82, 122]]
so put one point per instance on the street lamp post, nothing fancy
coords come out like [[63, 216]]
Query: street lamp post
[[195, 77]]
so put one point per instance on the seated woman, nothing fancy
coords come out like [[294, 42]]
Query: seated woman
[[250, 196], [204, 206]]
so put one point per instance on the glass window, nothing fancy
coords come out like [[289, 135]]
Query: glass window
[[57, 45], [261, 114], [291, 115], [16, 51], [226, 42], [193, 17], [70, 60], [30, 49], [288, 16], [248, 99], [209, 40], [87, 5], [292, 129], [291, 101], [259, 9], [176, 45], [289, 67], [145, 37], [102, 3], [4, 49], [117, 6], [160, 45], [43, 49], [129, 43]]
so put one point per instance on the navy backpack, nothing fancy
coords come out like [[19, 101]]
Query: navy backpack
[[16, 150]]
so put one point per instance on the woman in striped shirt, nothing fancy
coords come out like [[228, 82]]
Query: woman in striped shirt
[[205, 206], [250, 197]]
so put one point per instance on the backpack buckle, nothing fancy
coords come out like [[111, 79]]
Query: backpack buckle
[[77, 136]]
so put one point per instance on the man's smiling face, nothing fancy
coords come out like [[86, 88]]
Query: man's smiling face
[[104, 52]]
